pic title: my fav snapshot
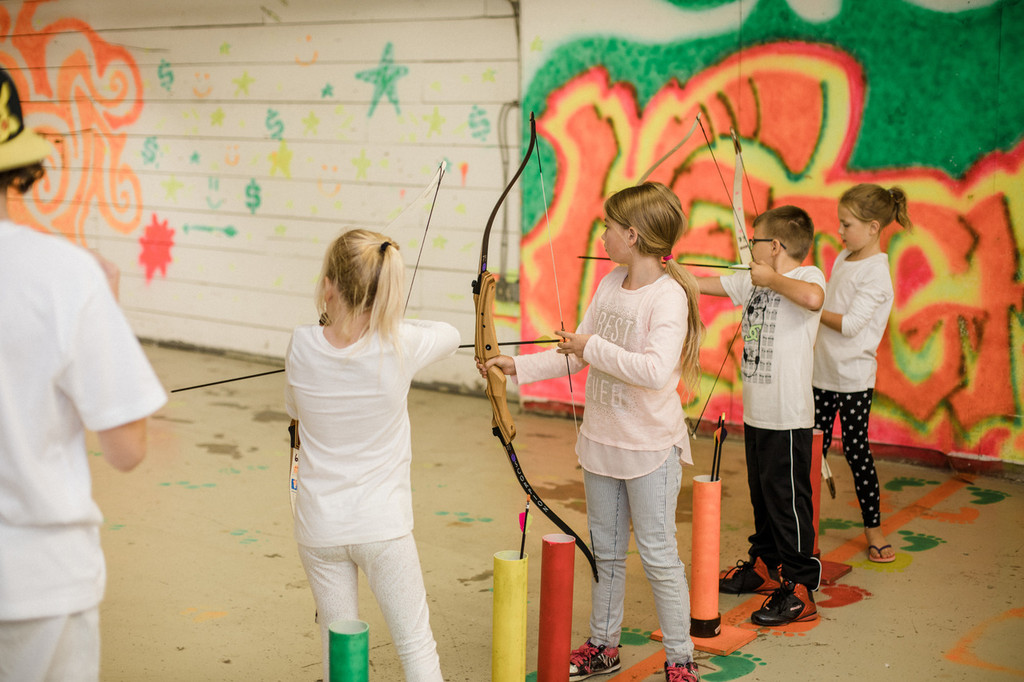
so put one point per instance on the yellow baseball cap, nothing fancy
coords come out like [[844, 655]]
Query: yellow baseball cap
[[19, 146]]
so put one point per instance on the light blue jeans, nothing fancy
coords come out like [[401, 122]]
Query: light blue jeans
[[650, 503]]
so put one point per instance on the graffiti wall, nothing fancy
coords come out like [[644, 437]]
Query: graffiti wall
[[213, 149], [821, 96]]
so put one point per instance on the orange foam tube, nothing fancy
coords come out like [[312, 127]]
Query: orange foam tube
[[707, 514]]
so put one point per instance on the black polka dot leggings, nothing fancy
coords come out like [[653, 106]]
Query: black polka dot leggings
[[853, 410]]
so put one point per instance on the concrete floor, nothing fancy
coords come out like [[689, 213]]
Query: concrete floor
[[205, 583]]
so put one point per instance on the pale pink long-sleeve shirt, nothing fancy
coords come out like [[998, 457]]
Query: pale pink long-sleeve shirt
[[633, 415]]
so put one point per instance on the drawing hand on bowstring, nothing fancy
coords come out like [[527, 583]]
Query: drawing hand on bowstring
[[762, 274], [572, 344]]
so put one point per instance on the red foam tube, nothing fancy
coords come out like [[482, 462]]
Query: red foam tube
[[555, 631]]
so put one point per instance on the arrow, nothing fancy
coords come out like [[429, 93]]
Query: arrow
[[278, 371], [734, 266]]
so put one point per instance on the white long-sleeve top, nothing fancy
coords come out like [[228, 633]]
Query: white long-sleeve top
[[352, 407], [634, 358], [861, 291]]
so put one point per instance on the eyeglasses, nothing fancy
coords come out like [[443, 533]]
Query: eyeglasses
[[754, 241]]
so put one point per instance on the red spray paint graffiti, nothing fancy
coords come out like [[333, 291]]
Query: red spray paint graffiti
[[156, 248], [947, 377]]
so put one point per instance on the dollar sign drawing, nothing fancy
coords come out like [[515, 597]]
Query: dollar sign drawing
[[166, 75], [149, 150], [479, 124], [274, 125], [252, 195]]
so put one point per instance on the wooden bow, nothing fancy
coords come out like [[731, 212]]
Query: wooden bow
[[486, 347]]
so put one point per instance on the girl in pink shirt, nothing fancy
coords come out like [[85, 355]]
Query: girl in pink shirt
[[639, 336]]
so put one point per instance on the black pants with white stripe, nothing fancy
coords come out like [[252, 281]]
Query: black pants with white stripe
[[779, 476]]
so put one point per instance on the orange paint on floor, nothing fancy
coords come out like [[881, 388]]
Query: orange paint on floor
[[740, 615]]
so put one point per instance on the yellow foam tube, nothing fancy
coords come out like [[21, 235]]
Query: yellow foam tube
[[508, 644]]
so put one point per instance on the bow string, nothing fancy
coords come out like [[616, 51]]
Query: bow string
[[433, 186], [739, 228]]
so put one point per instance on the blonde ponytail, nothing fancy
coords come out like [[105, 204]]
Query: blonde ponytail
[[368, 271], [694, 325]]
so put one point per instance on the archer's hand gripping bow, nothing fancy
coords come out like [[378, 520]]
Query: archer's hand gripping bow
[[486, 347]]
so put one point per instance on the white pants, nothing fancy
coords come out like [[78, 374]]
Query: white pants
[[393, 570], [57, 649]]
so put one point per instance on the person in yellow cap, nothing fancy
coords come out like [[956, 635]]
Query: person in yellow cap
[[68, 362]]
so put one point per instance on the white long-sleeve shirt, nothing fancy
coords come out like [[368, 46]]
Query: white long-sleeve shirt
[[352, 407], [861, 291], [634, 358]]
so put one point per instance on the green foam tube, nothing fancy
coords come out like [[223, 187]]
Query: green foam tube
[[350, 651]]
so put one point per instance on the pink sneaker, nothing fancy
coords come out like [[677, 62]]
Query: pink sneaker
[[682, 672], [590, 660]]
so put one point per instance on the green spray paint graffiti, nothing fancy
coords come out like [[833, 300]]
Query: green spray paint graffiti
[[384, 79], [819, 107]]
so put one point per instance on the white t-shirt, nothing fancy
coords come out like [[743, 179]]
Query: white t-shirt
[[352, 407], [860, 291], [68, 362], [778, 343], [634, 357]]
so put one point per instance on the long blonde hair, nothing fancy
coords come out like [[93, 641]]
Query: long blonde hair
[[657, 215], [368, 271]]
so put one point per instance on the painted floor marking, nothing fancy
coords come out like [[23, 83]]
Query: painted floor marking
[[655, 663]]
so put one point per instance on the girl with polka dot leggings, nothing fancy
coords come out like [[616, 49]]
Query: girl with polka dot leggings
[[853, 409], [858, 300]]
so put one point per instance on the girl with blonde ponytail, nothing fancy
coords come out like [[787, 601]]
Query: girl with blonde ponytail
[[348, 386], [639, 337]]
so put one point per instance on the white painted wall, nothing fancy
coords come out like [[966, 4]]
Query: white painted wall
[[220, 78]]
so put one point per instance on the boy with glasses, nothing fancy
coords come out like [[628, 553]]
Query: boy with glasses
[[783, 302]]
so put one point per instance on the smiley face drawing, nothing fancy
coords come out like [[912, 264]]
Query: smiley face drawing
[[312, 60], [202, 88], [322, 183]]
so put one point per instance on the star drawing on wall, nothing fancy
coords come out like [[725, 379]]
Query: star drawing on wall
[[384, 78], [281, 160]]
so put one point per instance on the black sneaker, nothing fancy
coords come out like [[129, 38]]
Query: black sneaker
[[747, 577], [590, 660], [791, 603]]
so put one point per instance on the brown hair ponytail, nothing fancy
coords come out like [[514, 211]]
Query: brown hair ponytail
[[654, 210]]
